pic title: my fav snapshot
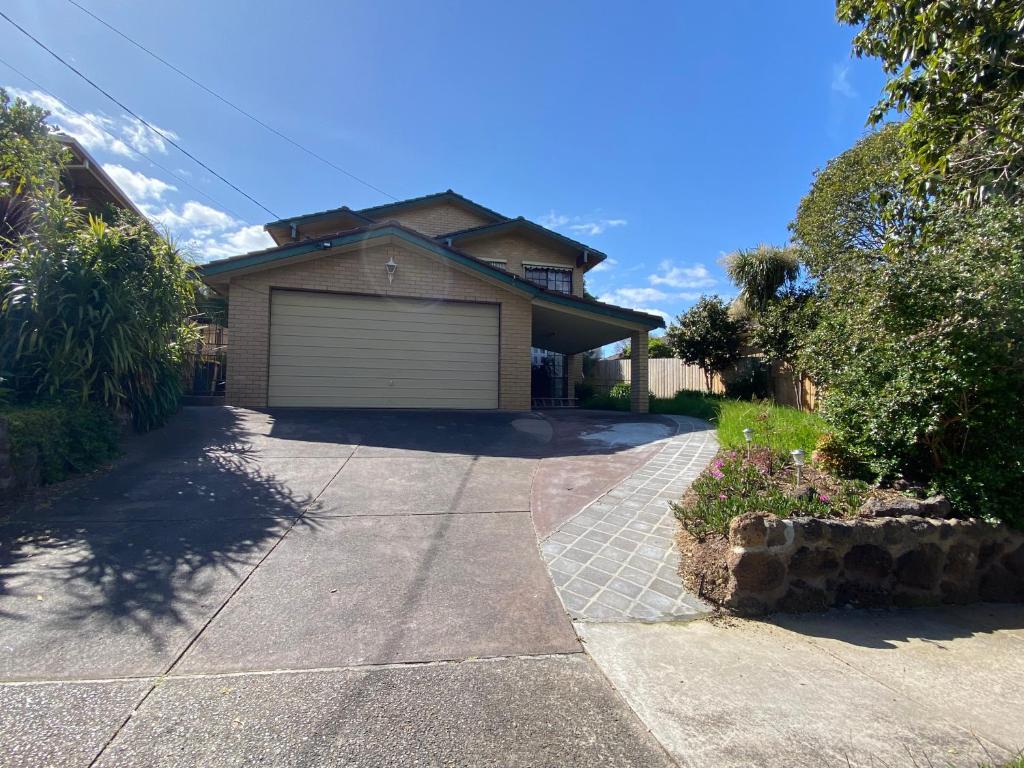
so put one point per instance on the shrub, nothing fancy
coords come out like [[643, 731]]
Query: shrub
[[734, 485], [584, 391], [749, 381], [921, 355], [621, 391], [98, 313], [707, 336], [57, 440]]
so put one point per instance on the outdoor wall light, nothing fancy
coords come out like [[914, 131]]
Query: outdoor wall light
[[798, 461], [391, 267], [748, 435]]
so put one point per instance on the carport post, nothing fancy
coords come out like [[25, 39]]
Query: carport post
[[638, 378]]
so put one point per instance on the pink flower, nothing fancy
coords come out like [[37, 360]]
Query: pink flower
[[824, 497], [717, 474], [722, 497]]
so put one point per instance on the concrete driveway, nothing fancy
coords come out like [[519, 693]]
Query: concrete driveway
[[312, 587]]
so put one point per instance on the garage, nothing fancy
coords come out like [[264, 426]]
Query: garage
[[351, 351]]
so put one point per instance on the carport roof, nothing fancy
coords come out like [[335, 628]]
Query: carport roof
[[280, 255]]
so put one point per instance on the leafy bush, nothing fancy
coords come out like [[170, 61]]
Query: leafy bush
[[734, 485], [921, 354], [748, 381], [98, 313], [60, 439], [584, 391], [621, 391], [707, 336]]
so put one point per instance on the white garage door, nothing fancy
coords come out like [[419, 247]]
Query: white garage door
[[373, 352]]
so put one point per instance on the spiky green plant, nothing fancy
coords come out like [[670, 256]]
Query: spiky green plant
[[98, 313], [760, 272]]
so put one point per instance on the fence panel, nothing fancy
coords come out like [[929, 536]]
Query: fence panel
[[666, 376]]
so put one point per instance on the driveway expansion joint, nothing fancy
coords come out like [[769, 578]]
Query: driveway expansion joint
[[616, 560]]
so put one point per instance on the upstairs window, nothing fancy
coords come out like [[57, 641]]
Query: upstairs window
[[552, 278]]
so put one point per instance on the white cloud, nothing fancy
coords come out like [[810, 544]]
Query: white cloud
[[603, 266], [242, 240], [95, 132], [596, 227], [669, 274], [637, 298], [138, 186], [580, 225], [633, 296], [142, 139], [192, 219], [841, 82], [553, 220]]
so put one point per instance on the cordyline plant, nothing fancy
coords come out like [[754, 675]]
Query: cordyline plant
[[96, 312]]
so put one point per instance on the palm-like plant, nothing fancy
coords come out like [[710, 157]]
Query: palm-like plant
[[760, 272]]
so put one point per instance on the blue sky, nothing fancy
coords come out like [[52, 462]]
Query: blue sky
[[664, 134]]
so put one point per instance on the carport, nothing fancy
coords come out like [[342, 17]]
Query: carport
[[571, 327]]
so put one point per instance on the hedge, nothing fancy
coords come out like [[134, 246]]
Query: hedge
[[49, 442]]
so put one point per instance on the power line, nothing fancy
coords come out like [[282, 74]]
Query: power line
[[229, 103], [123, 106], [133, 150]]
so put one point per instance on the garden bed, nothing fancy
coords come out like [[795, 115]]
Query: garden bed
[[754, 540]]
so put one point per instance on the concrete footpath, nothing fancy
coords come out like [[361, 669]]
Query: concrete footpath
[[926, 687]]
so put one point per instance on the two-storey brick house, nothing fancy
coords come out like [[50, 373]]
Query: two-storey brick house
[[433, 302]]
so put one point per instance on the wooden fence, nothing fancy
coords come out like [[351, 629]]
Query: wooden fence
[[670, 375], [666, 376]]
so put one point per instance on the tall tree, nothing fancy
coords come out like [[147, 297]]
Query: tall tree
[[957, 69], [853, 206], [707, 336]]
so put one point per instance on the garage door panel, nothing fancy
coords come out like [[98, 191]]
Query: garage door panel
[[378, 315], [363, 377], [333, 350], [349, 349], [451, 336], [313, 305], [342, 329]]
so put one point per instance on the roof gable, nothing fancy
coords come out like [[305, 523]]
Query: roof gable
[[380, 212], [587, 257]]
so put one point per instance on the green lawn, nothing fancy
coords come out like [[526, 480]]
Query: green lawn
[[776, 426]]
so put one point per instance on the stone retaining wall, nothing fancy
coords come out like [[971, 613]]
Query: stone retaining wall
[[810, 564]]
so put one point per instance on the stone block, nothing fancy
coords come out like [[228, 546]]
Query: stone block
[[748, 530], [920, 568], [756, 571], [802, 597], [775, 531], [961, 562], [998, 585], [808, 563], [868, 563], [1014, 561]]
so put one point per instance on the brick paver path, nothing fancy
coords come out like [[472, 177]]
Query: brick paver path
[[616, 560]]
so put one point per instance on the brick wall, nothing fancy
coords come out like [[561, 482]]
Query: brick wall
[[436, 219], [362, 271], [514, 250]]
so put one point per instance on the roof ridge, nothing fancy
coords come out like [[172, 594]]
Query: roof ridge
[[433, 195]]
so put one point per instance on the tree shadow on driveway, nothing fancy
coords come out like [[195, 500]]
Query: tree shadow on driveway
[[117, 576]]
